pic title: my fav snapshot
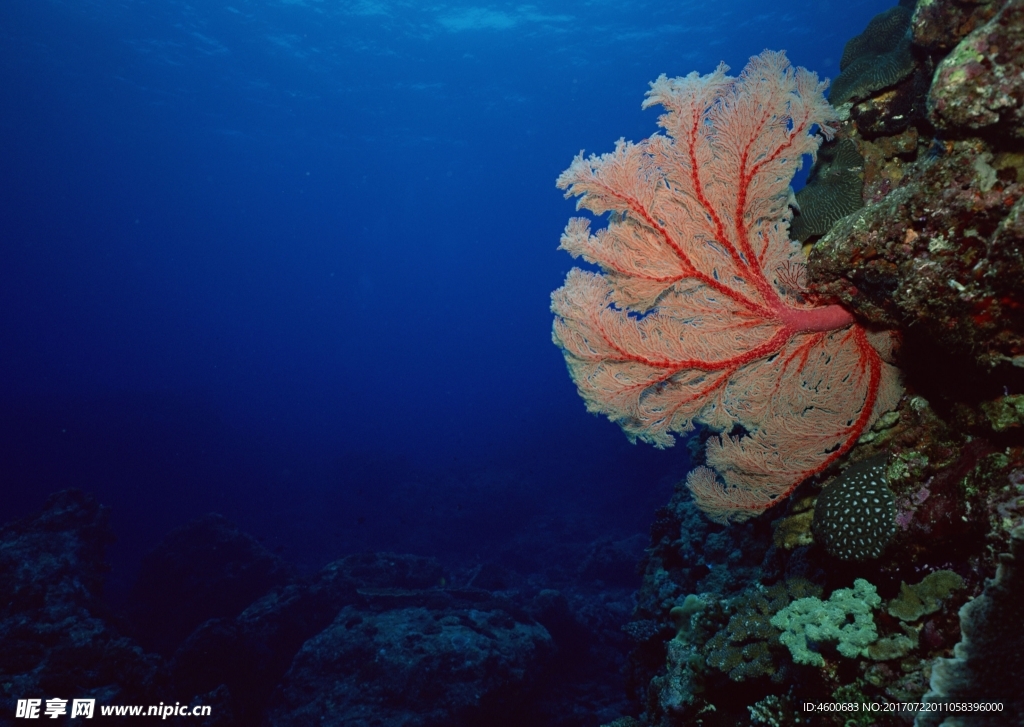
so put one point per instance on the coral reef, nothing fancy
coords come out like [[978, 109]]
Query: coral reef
[[938, 251], [933, 247], [372, 638]]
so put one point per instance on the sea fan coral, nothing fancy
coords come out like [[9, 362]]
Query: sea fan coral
[[691, 319]]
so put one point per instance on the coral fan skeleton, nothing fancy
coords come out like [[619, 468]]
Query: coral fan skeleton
[[694, 317]]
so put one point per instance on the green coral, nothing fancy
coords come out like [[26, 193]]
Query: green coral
[[925, 597], [1006, 412], [682, 616], [893, 647], [743, 648], [844, 619], [741, 662], [877, 58], [833, 190]]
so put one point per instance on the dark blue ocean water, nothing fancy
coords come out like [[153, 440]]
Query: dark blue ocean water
[[291, 261]]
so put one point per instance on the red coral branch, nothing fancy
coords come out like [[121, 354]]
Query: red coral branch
[[694, 318]]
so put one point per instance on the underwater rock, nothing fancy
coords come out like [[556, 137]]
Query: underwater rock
[[492, 577], [937, 251], [54, 638], [205, 569], [413, 666], [1005, 412], [940, 478], [676, 688], [794, 530], [941, 253], [988, 663], [385, 622], [250, 653], [614, 562], [885, 160], [938, 26], [980, 85], [446, 655], [895, 110]]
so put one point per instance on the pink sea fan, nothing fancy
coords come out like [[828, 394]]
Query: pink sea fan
[[694, 317]]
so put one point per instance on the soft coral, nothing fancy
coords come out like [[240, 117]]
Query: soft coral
[[692, 319]]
